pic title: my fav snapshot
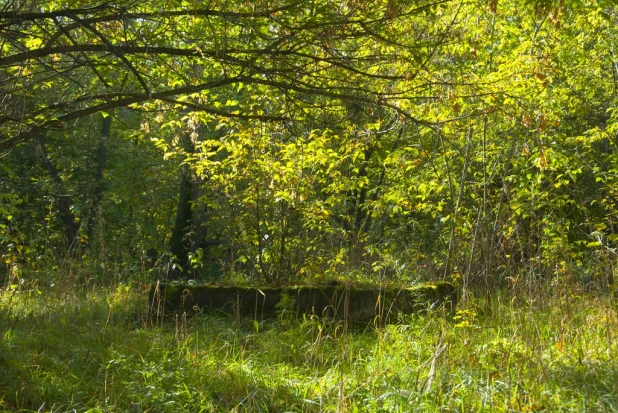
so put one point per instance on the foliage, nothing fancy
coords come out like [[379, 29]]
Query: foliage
[[290, 142], [409, 140]]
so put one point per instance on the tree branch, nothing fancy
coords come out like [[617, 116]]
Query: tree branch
[[8, 142], [116, 51], [171, 51], [212, 111], [13, 17]]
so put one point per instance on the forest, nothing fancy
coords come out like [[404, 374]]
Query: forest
[[346, 143]]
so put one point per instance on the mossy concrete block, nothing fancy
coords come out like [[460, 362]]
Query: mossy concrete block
[[356, 304]]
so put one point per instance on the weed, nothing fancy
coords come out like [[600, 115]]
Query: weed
[[96, 351]]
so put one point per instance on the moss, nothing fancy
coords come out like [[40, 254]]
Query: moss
[[338, 301]]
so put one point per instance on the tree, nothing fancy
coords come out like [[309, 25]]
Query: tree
[[322, 138], [251, 63], [60, 64]]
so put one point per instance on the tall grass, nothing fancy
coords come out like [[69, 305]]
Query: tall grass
[[96, 351]]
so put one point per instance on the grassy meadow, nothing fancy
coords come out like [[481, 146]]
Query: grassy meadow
[[94, 350]]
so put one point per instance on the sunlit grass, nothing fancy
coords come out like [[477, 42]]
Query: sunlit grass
[[97, 350]]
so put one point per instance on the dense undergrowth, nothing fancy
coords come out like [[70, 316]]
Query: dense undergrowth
[[96, 351]]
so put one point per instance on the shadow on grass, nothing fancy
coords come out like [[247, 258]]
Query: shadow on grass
[[94, 356], [595, 382]]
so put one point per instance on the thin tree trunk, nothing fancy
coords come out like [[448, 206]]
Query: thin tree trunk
[[179, 242], [70, 227], [99, 184], [455, 213]]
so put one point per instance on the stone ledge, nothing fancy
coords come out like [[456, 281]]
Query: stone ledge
[[354, 304]]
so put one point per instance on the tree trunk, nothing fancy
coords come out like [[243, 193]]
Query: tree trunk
[[70, 227], [180, 245], [99, 184]]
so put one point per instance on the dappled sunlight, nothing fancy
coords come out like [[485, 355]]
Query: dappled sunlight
[[506, 360]]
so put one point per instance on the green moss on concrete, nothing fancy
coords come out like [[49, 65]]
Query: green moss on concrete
[[338, 301]]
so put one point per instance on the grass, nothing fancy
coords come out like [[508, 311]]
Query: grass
[[95, 351]]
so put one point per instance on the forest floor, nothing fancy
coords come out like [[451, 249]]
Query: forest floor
[[96, 351]]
